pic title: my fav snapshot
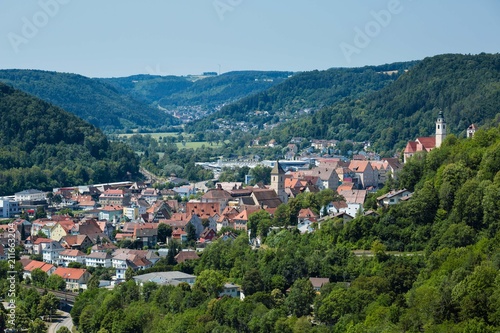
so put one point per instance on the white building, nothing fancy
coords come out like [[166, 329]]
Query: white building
[[30, 195], [51, 252], [9, 207], [98, 259], [68, 256]]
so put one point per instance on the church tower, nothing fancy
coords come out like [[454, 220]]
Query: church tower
[[440, 129], [278, 182]]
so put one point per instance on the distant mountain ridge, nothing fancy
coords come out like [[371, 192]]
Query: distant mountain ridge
[[96, 102], [303, 91], [465, 87], [213, 90]]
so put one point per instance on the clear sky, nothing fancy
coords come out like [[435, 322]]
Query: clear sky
[[105, 38]]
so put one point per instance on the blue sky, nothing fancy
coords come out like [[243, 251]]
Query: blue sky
[[118, 38]]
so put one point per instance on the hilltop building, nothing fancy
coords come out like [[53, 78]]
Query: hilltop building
[[427, 143]]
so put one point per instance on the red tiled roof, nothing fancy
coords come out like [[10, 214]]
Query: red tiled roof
[[428, 143], [70, 273], [38, 264]]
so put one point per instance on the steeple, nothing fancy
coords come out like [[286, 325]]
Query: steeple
[[278, 182], [440, 129]]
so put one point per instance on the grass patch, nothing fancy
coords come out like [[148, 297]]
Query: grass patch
[[156, 136], [195, 145]]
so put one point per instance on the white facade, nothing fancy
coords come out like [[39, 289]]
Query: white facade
[[9, 207], [50, 252], [30, 195]]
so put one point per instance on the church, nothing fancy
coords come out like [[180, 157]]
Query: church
[[427, 143]]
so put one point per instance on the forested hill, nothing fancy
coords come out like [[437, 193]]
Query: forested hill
[[43, 146], [89, 99], [303, 92], [209, 91], [465, 87], [445, 276]]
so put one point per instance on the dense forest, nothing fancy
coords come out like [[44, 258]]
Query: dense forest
[[42, 146], [444, 276], [304, 91], [89, 99], [211, 91], [465, 87]]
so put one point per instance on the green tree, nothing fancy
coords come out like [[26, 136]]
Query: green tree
[[300, 298], [210, 282], [164, 232], [38, 277], [37, 326], [55, 282], [252, 282], [63, 329], [48, 305]]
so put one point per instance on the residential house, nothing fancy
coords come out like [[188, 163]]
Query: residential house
[[158, 211], [184, 255], [265, 198], [241, 220], [327, 174], [230, 290], [151, 195], [217, 195], [51, 252], [393, 197], [207, 235], [147, 233], [317, 283], [306, 214], [104, 247], [76, 242], [113, 197], [63, 228], [365, 174], [34, 264], [99, 259], [184, 191], [75, 278], [111, 213], [68, 256], [122, 260], [355, 200]]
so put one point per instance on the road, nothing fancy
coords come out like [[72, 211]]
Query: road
[[62, 319]]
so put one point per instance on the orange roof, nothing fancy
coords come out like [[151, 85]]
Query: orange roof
[[359, 166], [70, 273], [428, 143], [33, 264], [203, 209], [72, 253], [42, 240], [411, 147], [346, 186]]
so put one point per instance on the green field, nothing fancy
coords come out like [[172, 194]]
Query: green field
[[195, 145], [156, 135]]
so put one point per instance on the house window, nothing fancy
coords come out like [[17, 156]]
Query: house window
[[438, 126]]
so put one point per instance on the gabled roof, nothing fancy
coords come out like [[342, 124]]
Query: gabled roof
[[359, 166], [40, 240], [70, 273], [354, 196], [34, 264], [392, 194], [307, 213], [186, 255], [72, 253], [74, 240], [428, 143], [203, 209], [217, 194], [319, 282], [99, 255]]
